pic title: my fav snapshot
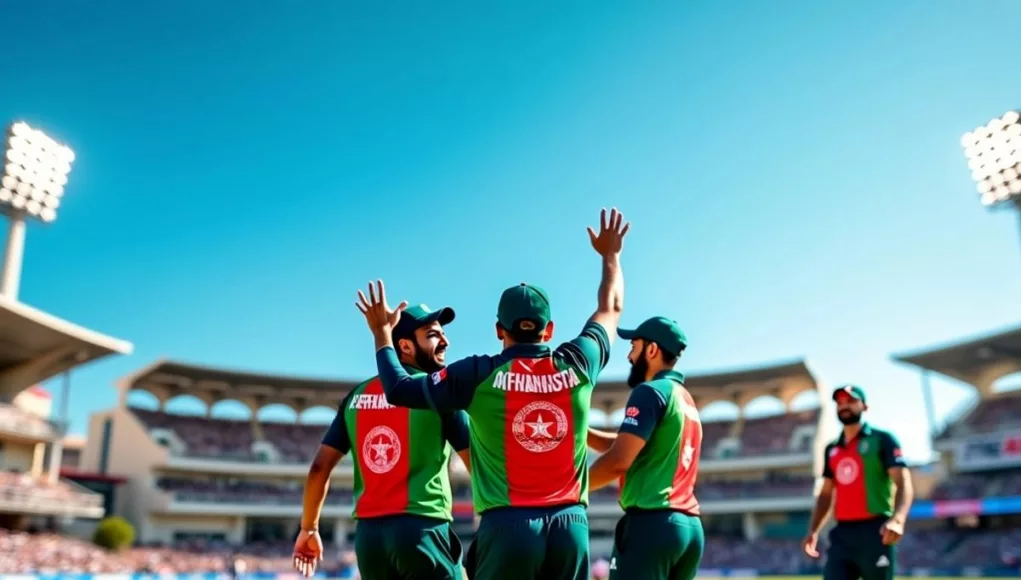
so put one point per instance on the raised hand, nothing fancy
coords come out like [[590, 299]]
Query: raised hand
[[380, 318], [610, 238]]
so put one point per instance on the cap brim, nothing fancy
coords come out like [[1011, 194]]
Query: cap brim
[[444, 316], [627, 334]]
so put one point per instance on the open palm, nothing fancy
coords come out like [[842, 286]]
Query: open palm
[[378, 314], [612, 230]]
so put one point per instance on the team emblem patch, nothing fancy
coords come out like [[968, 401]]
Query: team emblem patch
[[439, 376], [540, 426], [847, 471], [381, 449], [863, 447]]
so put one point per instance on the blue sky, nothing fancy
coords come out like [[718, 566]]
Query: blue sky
[[793, 176]]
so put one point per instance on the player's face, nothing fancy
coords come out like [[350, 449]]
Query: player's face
[[639, 363], [431, 348], [849, 409]]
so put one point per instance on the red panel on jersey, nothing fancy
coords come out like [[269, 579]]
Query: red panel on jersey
[[382, 450], [682, 495], [539, 442]]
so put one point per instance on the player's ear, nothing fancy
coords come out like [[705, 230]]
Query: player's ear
[[406, 347], [652, 349], [547, 333]]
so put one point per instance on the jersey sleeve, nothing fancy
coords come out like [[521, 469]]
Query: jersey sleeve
[[448, 389], [827, 471], [645, 407], [590, 351], [336, 436], [891, 453], [455, 429]]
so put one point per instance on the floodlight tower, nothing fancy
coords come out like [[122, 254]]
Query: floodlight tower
[[994, 157], [35, 169]]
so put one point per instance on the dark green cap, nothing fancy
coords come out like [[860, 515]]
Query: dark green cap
[[415, 317], [524, 302], [663, 331], [854, 391]]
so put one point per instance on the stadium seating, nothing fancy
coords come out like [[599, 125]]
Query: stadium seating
[[24, 488], [771, 435], [204, 437], [989, 415], [979, 485], [243, 491], [772, 485]]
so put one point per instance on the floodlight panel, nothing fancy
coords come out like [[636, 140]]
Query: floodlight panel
[[993, 152], [35, 172]]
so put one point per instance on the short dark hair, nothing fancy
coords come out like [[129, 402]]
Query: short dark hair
[[524, 336], [669, 357]]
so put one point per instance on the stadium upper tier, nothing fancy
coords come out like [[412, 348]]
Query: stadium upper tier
[[167, 380], [998, 413], [277, 442]]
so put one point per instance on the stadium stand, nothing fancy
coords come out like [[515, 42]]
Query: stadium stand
[[207, 492], [978, 500], [35, 347], [237, 480]]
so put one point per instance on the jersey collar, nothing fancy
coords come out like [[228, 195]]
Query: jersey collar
[[527, 351], [669, 374], [865, 431]]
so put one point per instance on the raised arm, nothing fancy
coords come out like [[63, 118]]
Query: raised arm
[[608, 244], [447, 389]]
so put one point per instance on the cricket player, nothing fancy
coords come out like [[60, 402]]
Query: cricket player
[[402, 499], [529, 410], [655, 456], [862, 469]]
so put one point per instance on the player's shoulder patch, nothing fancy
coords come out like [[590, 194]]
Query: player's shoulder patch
[[439, 376]]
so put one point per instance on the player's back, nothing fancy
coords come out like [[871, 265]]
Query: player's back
[[663, 474], [400, 454], [529, 419]]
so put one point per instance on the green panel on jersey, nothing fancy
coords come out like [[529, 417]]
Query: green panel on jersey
[[878, 484], [487, 444], [650, 479], [429, 486]]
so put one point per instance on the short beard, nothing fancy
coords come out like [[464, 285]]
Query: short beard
[[852, 419], [639, 369], [426, 362]]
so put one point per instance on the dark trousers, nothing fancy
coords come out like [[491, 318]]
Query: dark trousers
[[857, 551], [531, 544], [407, 547], [657, 545]]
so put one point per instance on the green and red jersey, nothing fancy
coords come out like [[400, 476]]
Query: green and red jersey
[[859, 469], [529, 410], [401, 454], [662, 476]]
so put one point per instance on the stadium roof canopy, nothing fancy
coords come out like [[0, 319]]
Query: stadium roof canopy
[[167, 379], [783, 380], [35, 346], [978, 361]]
